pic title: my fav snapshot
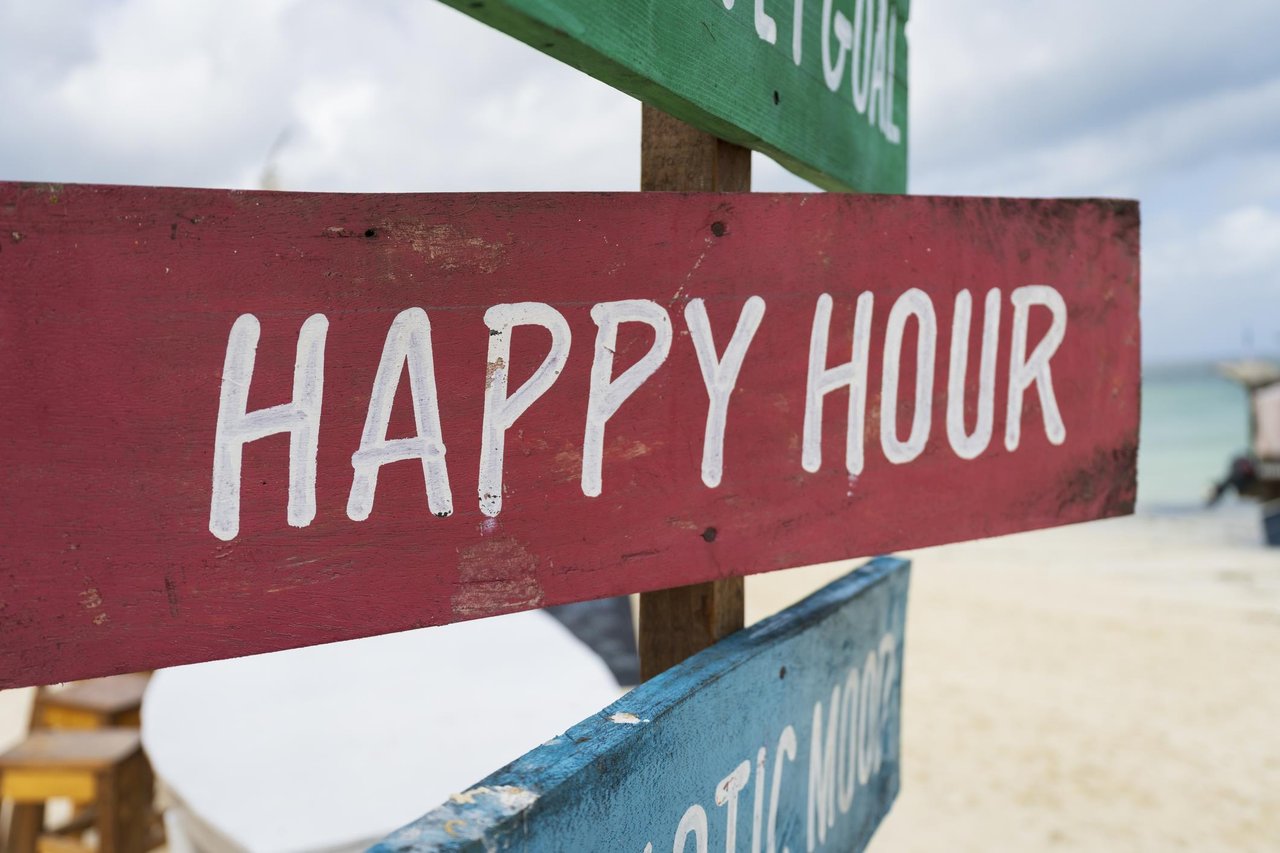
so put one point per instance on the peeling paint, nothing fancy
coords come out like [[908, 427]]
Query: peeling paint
[[509, 797], [496, 576], [624, 449], [491, 369], [627, 718], [452, 248], [568, 464]]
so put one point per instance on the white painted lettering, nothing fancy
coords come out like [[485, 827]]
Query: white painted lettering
[[694, 822], [720, 375], [408, 342], [822, 772], [501, 411], [891, 131], [236, 426], [1024, 369], [913, 303], [823, 380], [875, 101], [797, 30], [766, 27], [868, 734], [864, 12], [888, 673], [727, 795], [606, 394], [757, 813], [847, 747], [786, 749], [833, 70], [970, 445]]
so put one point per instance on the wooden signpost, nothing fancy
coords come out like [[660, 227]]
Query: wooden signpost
[[238, 422], [820, 86], [781, 737], [317, 417]]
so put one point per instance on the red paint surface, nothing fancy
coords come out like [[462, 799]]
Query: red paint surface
[[116, 303]]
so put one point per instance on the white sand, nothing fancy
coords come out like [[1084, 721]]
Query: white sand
[[1110, 686], [15, 711]]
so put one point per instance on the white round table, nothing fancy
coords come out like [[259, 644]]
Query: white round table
[[331, 747]]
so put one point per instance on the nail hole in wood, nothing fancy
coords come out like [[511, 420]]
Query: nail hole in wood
[[709, 535]]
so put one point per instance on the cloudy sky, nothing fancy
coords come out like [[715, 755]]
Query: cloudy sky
[[1173, 102]]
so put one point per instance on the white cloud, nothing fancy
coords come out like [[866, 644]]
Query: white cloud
[[1212, 289], [1016, 75], [1124, 157], [375, 96], [1170, 101]]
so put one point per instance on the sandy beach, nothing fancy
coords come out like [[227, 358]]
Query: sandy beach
[[1108, 686]]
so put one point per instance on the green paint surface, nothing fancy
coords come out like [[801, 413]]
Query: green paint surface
[[837, 117]]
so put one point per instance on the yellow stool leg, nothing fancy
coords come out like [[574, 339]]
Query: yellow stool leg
[[25, 826]]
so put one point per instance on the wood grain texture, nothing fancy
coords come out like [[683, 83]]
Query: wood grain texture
[[106, 768], [676, 623], [116, 306], [26, 822], [710, 66], [679, 622], [677, 157], [788, 729]]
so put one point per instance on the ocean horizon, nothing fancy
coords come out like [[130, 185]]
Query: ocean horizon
[[1194, 422]]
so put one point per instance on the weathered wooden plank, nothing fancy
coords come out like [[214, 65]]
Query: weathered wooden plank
[[782, 736], [820, 87], [677, 157], [119, 306], [675, 623]]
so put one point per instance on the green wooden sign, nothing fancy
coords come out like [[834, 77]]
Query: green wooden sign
[[819, 85]]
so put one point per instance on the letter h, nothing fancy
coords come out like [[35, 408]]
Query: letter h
[[300, 417]]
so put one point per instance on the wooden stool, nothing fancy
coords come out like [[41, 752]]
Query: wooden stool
[[99, 703], [105, 768]]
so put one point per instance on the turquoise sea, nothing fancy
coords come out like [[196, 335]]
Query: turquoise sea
[[1193, 423]]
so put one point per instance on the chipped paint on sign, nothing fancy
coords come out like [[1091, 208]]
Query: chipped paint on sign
[[627, 718], [784, 737], [444, 409]]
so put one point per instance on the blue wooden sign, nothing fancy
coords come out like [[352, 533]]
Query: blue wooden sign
[[782, 737]]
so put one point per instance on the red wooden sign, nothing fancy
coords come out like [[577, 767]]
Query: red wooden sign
[[238, 422]]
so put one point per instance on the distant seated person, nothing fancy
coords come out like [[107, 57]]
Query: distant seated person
[[1266, 412], [1248, 473], [1241, 476]]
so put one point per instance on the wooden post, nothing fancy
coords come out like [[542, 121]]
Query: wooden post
[[676, 623], [677, 157]]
